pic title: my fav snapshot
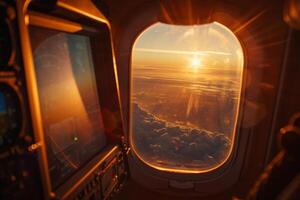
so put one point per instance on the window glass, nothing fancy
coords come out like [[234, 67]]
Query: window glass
[[185, 93]]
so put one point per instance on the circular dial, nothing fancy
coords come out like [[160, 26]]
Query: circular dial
[[10, 115]]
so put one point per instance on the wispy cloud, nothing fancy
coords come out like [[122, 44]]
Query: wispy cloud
[[197, 53]]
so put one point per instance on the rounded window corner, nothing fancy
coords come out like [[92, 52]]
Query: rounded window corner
[[186, 85]]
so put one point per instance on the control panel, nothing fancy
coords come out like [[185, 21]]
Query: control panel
[[105, 179]]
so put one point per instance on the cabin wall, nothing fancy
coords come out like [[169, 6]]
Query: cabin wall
[[289, 101]]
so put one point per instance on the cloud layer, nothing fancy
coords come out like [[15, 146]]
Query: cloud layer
[[166, 144]]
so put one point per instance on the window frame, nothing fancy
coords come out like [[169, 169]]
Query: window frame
[[235, 131], [204, 181], [230, 173]]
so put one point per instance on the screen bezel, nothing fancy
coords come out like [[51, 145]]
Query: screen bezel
[[106, 79]]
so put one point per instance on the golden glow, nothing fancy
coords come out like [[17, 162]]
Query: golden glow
[[185, 79], [68, 98], [196, 63]]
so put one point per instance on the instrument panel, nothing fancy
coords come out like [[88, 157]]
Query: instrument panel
[[10, 116]]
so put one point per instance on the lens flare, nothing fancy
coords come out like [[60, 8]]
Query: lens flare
[[196, 63]]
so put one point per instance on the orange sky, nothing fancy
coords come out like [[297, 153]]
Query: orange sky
[[208, 46]]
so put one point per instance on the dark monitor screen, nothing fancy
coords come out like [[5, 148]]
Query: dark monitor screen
[[69, 103]]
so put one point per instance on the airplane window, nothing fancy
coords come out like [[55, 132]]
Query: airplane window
[[185, 92]]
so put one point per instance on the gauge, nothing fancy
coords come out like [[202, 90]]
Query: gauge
[[10, 115]]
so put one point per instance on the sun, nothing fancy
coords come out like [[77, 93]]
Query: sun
[[196, 63]]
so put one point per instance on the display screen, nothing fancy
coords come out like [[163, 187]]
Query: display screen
[[69, 103]]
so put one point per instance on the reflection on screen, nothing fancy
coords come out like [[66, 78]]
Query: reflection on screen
[[70, 109]]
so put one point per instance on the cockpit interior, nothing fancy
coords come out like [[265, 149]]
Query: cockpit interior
[[150, 99]]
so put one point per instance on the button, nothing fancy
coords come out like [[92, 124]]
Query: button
[[24, 173], [13, 178]]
